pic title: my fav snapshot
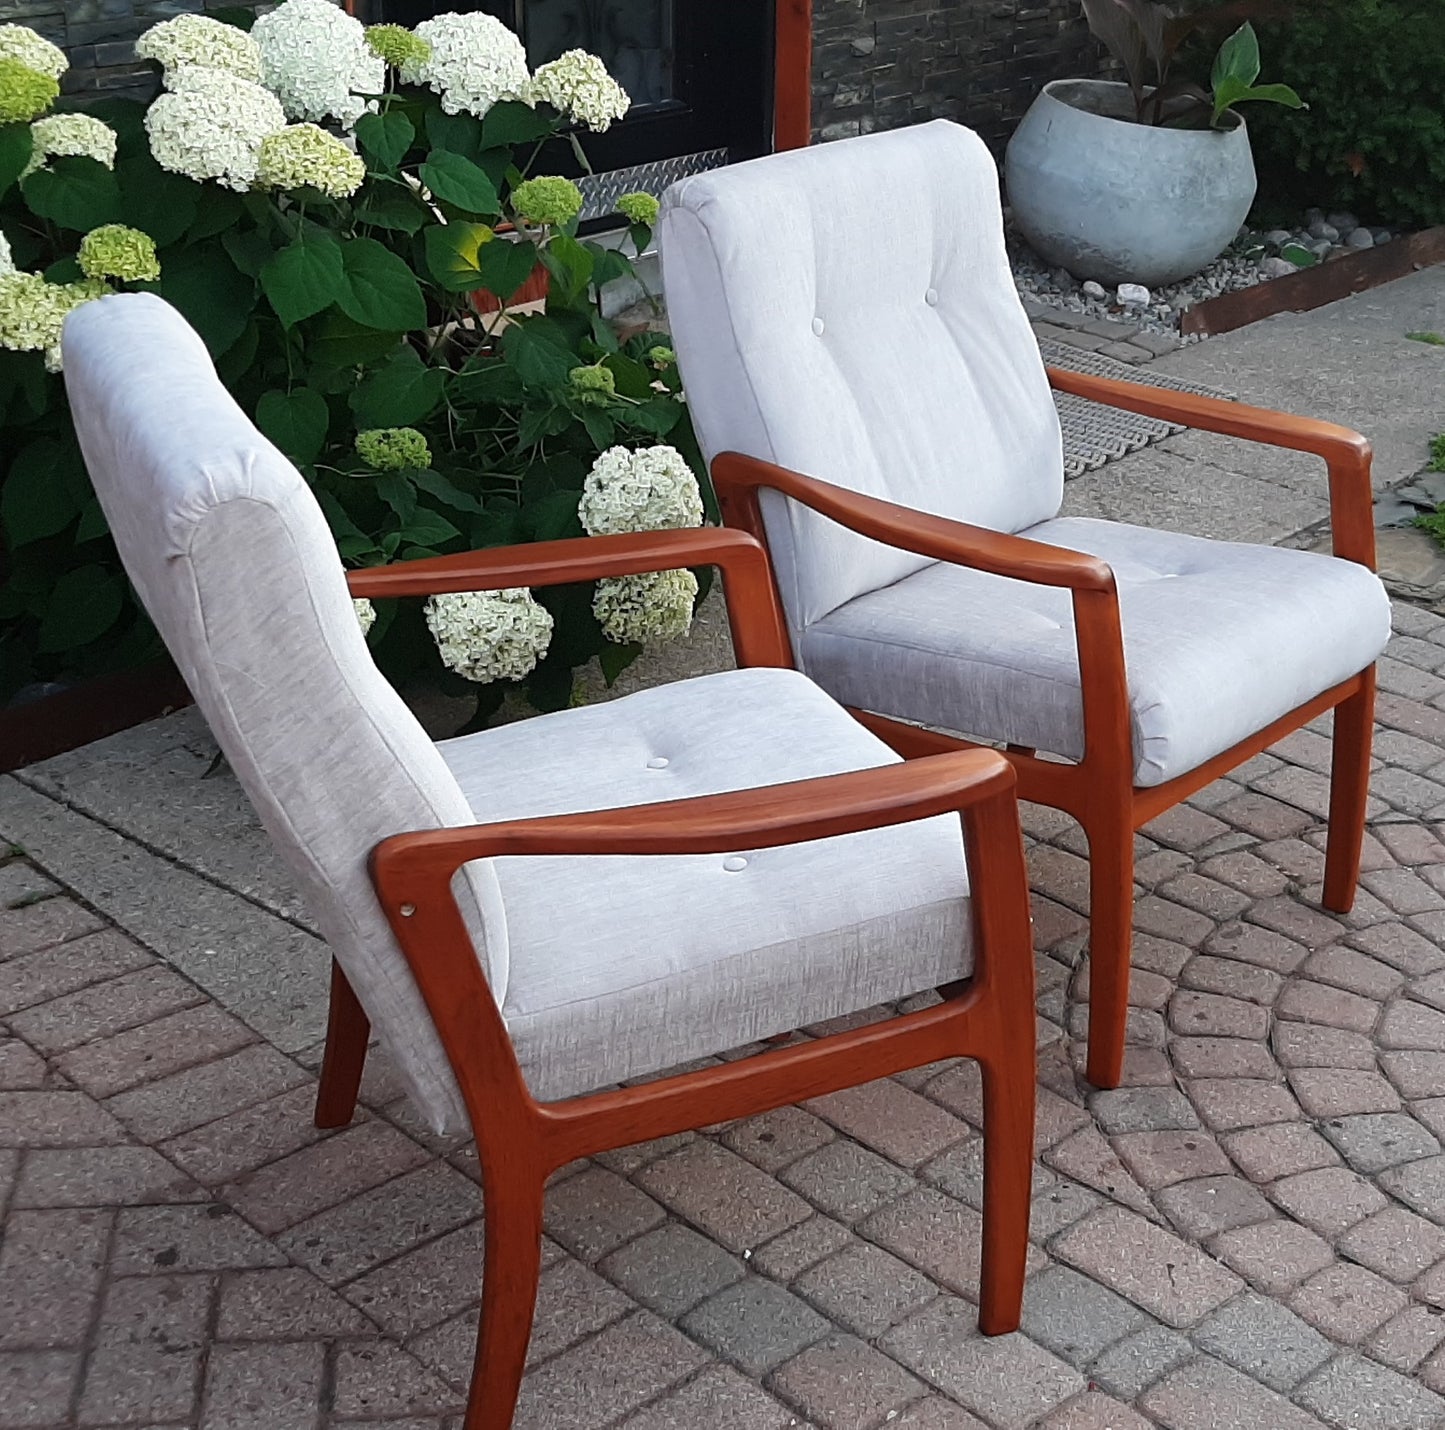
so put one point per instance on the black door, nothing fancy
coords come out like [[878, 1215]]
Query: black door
[[698, 71]]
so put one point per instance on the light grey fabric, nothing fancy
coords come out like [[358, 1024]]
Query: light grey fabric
[[1220, 640], [848, 311], [231, 556], [624, 966]]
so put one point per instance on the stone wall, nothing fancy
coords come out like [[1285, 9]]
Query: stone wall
[[881, 64]]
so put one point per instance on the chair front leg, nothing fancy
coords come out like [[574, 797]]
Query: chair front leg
[[1110, 832], [347, 1031], [1349, 794]]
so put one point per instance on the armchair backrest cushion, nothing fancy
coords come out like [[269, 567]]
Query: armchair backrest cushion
[[848, 311], [229, 552]]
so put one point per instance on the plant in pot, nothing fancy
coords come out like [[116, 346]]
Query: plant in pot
[[1147, 180]]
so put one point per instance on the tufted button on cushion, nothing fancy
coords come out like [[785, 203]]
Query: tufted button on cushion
[[657, 762], [818, 326], [734, 863], [931, 297]]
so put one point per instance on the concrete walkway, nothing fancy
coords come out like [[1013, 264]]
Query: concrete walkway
[[1249, 1236]]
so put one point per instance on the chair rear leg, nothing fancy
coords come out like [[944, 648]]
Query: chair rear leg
[[1349, 793], [1111, 923], [347, 1031], [512, 1269]]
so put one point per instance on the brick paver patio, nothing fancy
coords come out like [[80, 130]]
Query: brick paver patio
[[1249, 1236]]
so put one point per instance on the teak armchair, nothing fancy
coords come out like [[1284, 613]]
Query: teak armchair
[[864, 379], [533, 915]]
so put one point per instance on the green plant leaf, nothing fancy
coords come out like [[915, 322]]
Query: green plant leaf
[[249, 249], [446, 491], [211, 294], [570, 263], [538, 354], [512, 122], [157, 202], [16, 146], [453, 254], [393, 207], [74, 193], [427, 528], [304, 278], [295, 421], [455, 179], [35, 500], [398, 493], [82, 606], [385, 138], [338, 344], [458, 133], [400, 394], [504, 267], [1238, 59], [378, 289], [220, 211]]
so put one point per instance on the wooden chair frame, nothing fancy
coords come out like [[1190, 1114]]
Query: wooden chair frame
[[1098, 790], [520, 1141]]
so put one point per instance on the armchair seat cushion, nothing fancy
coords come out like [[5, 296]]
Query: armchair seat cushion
[[1220, 640], [623, 966]]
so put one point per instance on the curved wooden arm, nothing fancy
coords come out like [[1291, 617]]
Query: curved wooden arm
[[754, 613], [739, 478], [1346, 453]]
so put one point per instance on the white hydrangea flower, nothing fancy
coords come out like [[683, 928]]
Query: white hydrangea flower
[[365, 614], [66, 135], [211, 124], [315, 58], [200, 40], [33, 311], [20, 42], [577, 84], [645, 609], [302, 154], [7, 262], [490, 635], [652, 489], [476, 62]]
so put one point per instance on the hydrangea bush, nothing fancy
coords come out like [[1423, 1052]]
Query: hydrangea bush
[[349, 218]]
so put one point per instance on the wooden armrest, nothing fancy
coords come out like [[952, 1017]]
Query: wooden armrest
[[738, 479], [759, 633], [1345, 451]]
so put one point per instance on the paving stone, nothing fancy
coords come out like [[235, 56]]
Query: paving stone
[[755, 1324], [1396, 1243], [1300, 1045], [1420, 1185], [1401, 947], [1416, 1074], [43, 925], [847, 1181], [50, 1266], [1088, 1158], [1139, 1360], [718, 1399], [154, 1050], [1354, 972], [1232, 979], [1093, 1411], [1409, 844], [105, 1008], [802, 1246], [1264, 1340], [1407, 1339], [375, 1379], [1356, 1394], [1058, 1205], [1329, 1200], [36, 1386], [935, 1413], [1430, 989], [1165, 919], [1186, 828], [1374, 1141], [235, 1144], [1208, 1205], [1246, 872], [865, 1290], [1222, 1057], [424, 1285], [1210, 1015], [774, 1139], [724, 1196], [1274, 1256], [1143, 1109], [1156, 1270], [1342, 1092], [572, 1303], [671, 1269], [1206, 1394], [1159, 1159], [21, 1069], [263, 1387], [1280, 1149], [1008, 1378], [35, 978], [904, 1127], [55, 1119], [844, 1384], [1074, 1317], [1347, 1302], [1412, 1025], [284, 1304], [1229, 1104], [100, 1176], [1320, 1003], [1248, 943]]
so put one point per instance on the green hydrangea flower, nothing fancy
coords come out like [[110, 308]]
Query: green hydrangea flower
[[115, 251], [661, 356], [398, 46], [548, 200], [302, 156], [25, 94], [593, 385], [33, 311], [393, 449], [639, 208]]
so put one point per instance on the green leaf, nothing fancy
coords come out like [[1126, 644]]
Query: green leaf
[[633, 379], [504, 267], [15, 149], [157, 202], [339, 344], [249, 249], [1238, 58], [213, 297], [512, 122], [295, 421], [36, 501], [400, 394], [657, 416], [610, 264], [74, 193], [570, 262], [385, 138], [221, 209], [540, 358], [427, 528], [82, 606], [92, 523], [600, 427], [390, 206], [458, 133], [304, 278], [453, 254], [454, 179], [399, 494], [614, 659], [446, 491], [378, 289], [554, 516]]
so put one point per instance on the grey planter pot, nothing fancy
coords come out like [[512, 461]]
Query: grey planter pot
[[1122, 202]]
